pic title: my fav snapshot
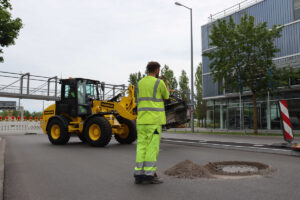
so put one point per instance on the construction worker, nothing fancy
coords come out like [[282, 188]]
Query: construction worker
[[151, 116]]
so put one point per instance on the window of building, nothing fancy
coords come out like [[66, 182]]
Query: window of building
[[297, 9], [209, 28], [210, 114], [221, 87]]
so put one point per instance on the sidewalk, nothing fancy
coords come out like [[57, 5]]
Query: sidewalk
[[218, 130], [263, 140], [261, 144], [2, 158]]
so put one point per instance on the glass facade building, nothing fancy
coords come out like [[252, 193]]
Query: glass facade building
[[224, 108]]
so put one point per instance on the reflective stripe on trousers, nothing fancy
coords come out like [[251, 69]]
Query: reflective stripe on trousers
[[147, 149]]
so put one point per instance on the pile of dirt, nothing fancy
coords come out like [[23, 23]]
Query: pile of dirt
[[188, 170]]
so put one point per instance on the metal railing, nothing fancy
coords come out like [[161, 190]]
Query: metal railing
[[233, 9], [28, 86], [108, 91]]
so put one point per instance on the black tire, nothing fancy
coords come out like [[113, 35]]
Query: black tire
[[82, 138], [102, 126], [132, 133], [58, 132]]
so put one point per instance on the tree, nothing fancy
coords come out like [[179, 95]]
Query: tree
[[184, 85], [169, 74], [200, 112], [134, 79], [243, 57], [9, 27]]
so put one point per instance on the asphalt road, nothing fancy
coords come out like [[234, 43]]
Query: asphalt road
[[35, 169]]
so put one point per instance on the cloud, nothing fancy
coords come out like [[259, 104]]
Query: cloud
[[105, 40]]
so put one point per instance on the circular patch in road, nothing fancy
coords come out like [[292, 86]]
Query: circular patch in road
[[223, 170], [238, 168]]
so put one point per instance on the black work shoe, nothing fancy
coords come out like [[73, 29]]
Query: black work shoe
[[152, 180], [156, 180], [139, 179]]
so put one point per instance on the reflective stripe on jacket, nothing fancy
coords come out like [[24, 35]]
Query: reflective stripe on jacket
[[151, 92]]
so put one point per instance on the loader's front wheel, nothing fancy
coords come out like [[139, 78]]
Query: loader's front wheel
[[98, 132], [129, 131], [57, 132]]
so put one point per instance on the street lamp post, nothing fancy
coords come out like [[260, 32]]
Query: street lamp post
[[192, 69]]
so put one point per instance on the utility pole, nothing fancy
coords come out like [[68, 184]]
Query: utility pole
[[192, 68]]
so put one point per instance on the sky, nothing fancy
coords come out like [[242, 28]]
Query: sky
[[105, 40]]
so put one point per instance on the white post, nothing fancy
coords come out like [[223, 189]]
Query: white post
[[268, 113], [221, 117], [241, 120]]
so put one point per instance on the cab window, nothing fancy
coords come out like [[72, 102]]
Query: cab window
[[91, 91], [81, 92], [69, 92]]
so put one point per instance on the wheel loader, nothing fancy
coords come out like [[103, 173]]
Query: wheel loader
[[80, 112]]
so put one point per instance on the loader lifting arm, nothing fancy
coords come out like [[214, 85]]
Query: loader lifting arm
[[125, 107]]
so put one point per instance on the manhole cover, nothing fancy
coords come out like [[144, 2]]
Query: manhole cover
[[238, 168]]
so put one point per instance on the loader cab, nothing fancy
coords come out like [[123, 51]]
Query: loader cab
[[77, 96]]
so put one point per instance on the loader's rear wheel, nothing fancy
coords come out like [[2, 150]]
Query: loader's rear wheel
[[98, 132], [58, 132], [130, 134]]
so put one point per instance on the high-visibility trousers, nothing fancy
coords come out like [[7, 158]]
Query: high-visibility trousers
[[147, 149]]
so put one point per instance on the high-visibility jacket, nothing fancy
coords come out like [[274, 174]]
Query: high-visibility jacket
[[151, 92]]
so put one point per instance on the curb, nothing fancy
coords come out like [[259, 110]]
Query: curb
[[233, 146], [2, 160]]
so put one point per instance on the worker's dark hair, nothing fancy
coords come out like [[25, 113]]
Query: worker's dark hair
[[152, 66]]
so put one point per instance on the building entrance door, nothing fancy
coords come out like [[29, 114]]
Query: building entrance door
[[234, 117]]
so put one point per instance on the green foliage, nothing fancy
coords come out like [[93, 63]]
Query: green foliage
[[27, 114], [16, 113], [134, 78], [243, 56], [37, 114], [184, 85], [9, 27], [4, 4], [243, 51], [284, 76], [169, 74], [200, 112]]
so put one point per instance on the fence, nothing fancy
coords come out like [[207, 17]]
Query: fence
[[20, 127], [236, 8]]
